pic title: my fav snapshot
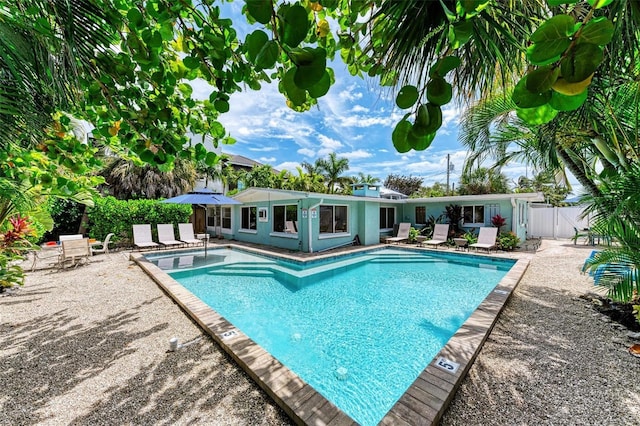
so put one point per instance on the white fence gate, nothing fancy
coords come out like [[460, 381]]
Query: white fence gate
[[556, 222]]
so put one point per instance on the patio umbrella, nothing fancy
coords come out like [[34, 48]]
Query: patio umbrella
[[202, 197]]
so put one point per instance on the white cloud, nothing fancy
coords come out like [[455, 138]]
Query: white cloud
[[350, 94], [329, 143], [289, 166], [267, 159], [359, 154], [264, 149], [359, 108], [306, 152]]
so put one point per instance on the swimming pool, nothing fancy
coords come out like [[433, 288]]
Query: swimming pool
[[359, 329]]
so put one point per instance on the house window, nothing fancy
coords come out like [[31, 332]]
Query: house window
[[285, 218], [333, 219], [212, 218], [421, 215], [226, 217], [473, 215], [387, 217], [249, 218]]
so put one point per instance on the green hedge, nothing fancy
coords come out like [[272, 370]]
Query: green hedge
[[118, 216]]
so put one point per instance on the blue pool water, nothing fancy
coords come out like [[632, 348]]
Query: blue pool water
[[358, 329]]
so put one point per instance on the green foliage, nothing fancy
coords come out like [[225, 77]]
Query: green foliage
[[483, 181], [14, 244], [413, 233], [453, 213], [67, 217], [508, 241], [566, 55], [470, 237], [118, 216], [407, 185]]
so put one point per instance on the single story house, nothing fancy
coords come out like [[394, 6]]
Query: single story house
[[312, 222]]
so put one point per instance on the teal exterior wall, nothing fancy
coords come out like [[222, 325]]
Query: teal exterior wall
[[363, 218], [491, 208]]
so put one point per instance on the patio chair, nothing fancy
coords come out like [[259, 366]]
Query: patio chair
[[440, 235], [486, 239], [403, 234], [166, 236], [186, 234], [75, 252], [105, 245], [142, 236], [289, 227]]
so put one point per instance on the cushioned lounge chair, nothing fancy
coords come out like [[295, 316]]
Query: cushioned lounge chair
[[486, 239], [186, 234], [166, 236], [403, 234], [440, 235], [142, 236]]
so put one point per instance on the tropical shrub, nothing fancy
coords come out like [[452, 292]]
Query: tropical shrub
[[508, 241], [13, 246], [413, 233], [118, 216], [66, 215], [498, 221], [470, 237]]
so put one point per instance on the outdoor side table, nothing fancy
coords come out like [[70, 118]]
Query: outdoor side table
[[461, 243]]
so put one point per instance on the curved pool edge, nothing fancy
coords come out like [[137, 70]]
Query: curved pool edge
[[424, 402]]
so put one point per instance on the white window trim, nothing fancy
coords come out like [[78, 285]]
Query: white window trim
[[275, 233], [247, 231], [394, 218], [473, 224], [322, 235], [288, 235]]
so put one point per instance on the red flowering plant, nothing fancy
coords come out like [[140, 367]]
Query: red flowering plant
[[498, 221], [13, 246]]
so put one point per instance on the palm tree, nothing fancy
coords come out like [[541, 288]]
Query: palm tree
[[483, 181], [126, 180], [306, 182], [616, 214], [333, 168], [366, 179], [261, 176], [220, 171]]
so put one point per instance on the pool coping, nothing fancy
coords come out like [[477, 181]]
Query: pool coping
[[424, 402]]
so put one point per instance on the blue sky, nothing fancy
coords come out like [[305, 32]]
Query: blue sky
[[355, 120]]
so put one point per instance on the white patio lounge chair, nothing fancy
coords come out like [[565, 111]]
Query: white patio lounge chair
[[440, 235], [186, 234], [142, 236], [166, 235], [486, 239], [105, 245], [289, 227], [403, 234]]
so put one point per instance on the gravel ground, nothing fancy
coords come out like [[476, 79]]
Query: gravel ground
[[89, 346]]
